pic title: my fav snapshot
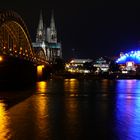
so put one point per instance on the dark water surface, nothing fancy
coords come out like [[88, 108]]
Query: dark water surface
[[71, 109]]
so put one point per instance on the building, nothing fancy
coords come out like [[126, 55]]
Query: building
[[129, 61], [79, 66], [47, 44], [102, 64]]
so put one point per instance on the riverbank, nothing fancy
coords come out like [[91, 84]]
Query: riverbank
[[93, 76]]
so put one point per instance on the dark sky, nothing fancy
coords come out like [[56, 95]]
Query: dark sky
[[97, 28]]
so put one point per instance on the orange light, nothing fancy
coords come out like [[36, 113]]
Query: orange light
[[40, 70], [4, 121], [42, 87], [1, 58]]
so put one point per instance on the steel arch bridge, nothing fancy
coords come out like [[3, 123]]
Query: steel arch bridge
[[15, 40]]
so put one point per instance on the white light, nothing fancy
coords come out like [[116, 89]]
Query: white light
[[72, 61], [124, 71], [86, 71], [43, 44], [129, 64]]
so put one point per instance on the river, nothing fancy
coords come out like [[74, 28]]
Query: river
[[72, 109]]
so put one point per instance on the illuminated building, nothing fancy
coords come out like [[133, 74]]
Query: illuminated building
[[129, 61], [78, 66], [102, 64], [46, 40]]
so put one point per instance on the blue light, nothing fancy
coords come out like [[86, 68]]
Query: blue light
[[127, 113], [130, 56]]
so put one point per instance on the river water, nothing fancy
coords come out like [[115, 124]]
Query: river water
[[72, 109]]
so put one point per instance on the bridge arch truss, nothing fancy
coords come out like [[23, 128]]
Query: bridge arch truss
[[14, 37]]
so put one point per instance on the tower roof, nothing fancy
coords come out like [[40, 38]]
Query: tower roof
[[40, 36], [40, 25], [52, 24]]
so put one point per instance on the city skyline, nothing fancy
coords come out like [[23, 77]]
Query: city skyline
[[91, 29]]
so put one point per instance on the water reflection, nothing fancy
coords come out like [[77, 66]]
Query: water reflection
[[128, 109], [110, 111], [74, 125], [40, 103], [104, 85], [41, 87], [4, 123], [71, 86]]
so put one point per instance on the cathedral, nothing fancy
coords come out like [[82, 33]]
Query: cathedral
[[47, 45]]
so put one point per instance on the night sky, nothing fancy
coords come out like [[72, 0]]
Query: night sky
[[93, 29]]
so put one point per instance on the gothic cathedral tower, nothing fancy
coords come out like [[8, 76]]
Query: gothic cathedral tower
[[40, 36], [51, 31], [47, 41]]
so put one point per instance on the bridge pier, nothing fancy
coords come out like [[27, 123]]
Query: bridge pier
[[43, 72]]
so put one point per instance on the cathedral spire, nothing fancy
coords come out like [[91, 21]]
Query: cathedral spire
[[40, 30], [40, 25], [52, 25], [53, 32]]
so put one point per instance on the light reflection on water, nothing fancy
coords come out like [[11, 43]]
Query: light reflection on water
[[4, 122], [70, 86], [40, 104], [41, 87], [60, 110], [128, 109]]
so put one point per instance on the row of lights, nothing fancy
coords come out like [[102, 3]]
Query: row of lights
[[135, 55]]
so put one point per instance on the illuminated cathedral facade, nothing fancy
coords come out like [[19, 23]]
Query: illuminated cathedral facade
[[47, 45]]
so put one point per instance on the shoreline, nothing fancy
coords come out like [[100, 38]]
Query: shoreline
[[94, 76]]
